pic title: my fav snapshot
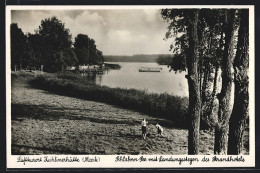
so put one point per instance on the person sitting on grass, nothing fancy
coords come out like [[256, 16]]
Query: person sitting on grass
[[144, 123], [159, 129]]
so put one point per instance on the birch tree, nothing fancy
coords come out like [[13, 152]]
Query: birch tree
[[239, 114]]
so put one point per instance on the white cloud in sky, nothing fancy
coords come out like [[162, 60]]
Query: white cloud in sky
[[116, 32]]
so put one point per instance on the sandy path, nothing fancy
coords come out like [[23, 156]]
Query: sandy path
[[46, 123]]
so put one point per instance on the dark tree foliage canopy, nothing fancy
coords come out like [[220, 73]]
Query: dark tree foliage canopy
[[216, 36], [51, 46], [164, 59], [54, 34], [55, 39], [18, 41], [210, 27], [86, 50]]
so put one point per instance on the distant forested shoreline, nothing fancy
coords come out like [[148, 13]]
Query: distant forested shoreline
[[133, 58]]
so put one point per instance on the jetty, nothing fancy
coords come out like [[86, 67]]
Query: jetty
[[93, 69], [150, 69]]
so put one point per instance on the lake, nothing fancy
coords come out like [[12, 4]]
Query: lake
[[158, 82]]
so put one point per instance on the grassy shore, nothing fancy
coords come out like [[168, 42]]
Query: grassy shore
[[44, 122], [159, 105], [48, 123]]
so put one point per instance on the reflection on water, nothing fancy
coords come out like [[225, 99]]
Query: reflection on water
[[159, 82], [89, 76], [99, 78]]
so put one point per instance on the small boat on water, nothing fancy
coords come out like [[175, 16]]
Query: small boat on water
[[150, 69]]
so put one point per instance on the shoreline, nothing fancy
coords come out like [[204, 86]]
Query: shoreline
[[46, 123], [164, 105], [67, 125]]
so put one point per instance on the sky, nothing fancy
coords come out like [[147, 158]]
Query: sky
[[116, 31]]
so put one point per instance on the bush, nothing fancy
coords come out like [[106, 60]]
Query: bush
[[160, 105]]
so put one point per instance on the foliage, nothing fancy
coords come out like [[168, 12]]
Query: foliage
[[161, 105], [132, 58], [86, 50], [56, 40], [18, 41], [178, 63], [82, 55], [164, 59], [210, 51], [186, 22], [55, 36], [209, 31], [69, 57], [51, 46], [217, 38]]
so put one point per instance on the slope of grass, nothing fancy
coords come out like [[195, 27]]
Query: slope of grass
[[48, 123], [159, 105]]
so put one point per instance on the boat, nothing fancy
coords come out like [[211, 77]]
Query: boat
[[150, 69]]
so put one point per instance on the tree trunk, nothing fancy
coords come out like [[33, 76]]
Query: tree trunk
[[222, 127], [207, 110], [193, 83], [207, 113], [240, 109], [205, 83], [214, 91]]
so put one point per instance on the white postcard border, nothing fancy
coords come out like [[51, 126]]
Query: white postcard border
[[110, 161]]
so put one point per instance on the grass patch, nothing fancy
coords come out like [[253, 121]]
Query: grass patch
[[159, 105]]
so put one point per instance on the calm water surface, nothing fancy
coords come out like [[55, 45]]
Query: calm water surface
[[158, 82]]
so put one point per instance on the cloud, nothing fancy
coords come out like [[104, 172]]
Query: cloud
[[116, 32], [119, 35], [150, 15], [86, 23], [74, 13]]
